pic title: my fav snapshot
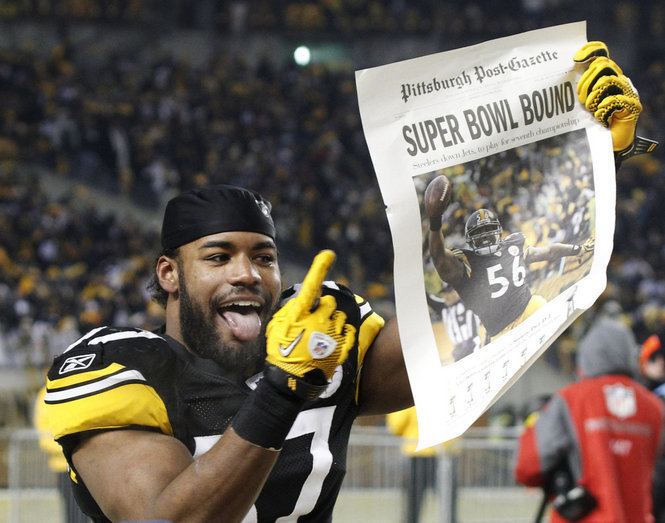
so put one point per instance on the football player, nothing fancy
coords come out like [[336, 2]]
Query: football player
[[216, 417], [490, 275]]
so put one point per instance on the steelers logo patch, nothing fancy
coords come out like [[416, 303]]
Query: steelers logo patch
[[513, 250]]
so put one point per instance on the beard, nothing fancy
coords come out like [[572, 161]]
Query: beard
[[202, 338]]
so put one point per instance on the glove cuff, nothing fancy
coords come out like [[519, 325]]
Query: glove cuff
[[640, 145], [307, 388], [267, 415]]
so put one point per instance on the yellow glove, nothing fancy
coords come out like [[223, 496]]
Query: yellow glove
[[308, 338], [608, 94]]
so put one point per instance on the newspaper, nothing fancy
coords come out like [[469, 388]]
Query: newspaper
[[523, 245]]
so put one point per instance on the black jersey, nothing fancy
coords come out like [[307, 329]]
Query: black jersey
[[495, 285], [134, 379]]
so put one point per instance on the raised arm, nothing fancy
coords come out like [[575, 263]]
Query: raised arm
[[556, 251], [437, 198]]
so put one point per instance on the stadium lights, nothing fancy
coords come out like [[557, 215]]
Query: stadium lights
[[302, 55]]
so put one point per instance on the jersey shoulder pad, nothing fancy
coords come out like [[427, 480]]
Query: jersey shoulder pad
[[371, 324], [516, 238], [130, 347], [108, 380]]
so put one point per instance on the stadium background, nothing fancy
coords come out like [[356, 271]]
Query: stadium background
[[110, 107]]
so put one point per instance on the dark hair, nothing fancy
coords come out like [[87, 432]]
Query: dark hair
[[157, 292]]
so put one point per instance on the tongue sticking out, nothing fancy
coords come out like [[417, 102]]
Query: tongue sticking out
[[245, 327]]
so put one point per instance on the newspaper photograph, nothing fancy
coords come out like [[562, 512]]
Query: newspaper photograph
[[499, 190]]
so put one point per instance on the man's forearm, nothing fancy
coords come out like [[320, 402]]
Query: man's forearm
[[135, 474], [553, 252], [221, 485], [561, 250], [445, 263]]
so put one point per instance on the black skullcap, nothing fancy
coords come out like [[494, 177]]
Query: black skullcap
[[209, 210]]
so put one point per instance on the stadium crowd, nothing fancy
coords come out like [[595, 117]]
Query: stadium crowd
[[147, 130], [64, 268], [457, 19]]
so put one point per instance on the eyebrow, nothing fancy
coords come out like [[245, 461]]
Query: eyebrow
[[220, 244]]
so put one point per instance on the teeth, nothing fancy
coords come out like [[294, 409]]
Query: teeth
[[243, 304]]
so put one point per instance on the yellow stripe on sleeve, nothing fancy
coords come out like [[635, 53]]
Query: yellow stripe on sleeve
[[369, 328], [122, 406]]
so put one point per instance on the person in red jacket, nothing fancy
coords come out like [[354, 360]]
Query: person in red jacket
[[605, 430]]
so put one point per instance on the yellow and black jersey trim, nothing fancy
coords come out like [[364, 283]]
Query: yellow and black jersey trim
[[88, 389], [370, 326], [109, 398], [80, 386]]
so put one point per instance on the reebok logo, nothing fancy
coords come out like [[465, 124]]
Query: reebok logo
[[285, 351], [76, 363]]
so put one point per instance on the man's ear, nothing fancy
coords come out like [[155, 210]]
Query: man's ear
[[167, 274]]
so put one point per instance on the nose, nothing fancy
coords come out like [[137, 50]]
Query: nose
[[243, 272]]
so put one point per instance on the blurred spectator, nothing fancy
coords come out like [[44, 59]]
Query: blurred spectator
[[594, 446], [63, 270], [150, 128], [652, 365], [421, 474], [330, 16]]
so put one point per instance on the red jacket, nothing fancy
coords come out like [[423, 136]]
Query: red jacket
[[609, 429]]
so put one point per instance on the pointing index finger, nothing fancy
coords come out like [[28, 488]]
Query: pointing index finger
[[310, 290]]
